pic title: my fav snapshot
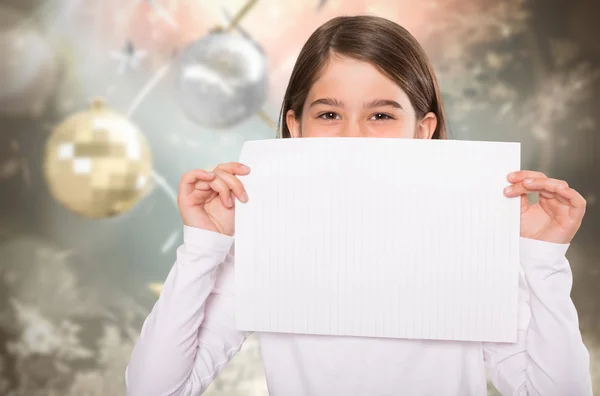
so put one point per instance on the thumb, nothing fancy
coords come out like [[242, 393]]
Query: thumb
[[524, 203]]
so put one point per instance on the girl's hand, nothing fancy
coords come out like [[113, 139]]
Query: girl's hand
[[205, 199], [557, 215]]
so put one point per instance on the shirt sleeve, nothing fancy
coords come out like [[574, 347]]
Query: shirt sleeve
[[190, 333], [549, 357]]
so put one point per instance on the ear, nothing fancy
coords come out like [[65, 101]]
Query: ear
[[426, 127], [292, 123]]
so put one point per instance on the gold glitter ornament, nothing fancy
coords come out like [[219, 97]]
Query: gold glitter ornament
[[97, 163]]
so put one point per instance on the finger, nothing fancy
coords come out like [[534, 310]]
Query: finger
[[521, 189], [203, 174], [528, 186], [518, 176], [234, 183], [562, 200], [219, 185], [575, 199], [199, 196], [573, 196], [234, 168], [546, 194], [202, 186], [524, 203], [185, 188], [197, 174], [515, 190], [547, 184], [186, 185]]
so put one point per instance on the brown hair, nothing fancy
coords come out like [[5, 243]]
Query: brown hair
[[384, 44]]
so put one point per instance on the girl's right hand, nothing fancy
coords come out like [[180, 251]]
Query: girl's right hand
[[205, 199]]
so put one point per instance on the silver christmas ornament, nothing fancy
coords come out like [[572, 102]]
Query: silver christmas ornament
[[222, 79]]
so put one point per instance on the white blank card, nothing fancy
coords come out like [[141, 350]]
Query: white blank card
[[399, 238]]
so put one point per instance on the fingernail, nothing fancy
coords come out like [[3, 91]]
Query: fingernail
[[245, 168], [511, 175], [230, 202], [527, 181], [508, 189], [244, 197]]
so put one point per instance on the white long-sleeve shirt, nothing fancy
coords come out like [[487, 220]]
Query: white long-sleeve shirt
[[190, 335]]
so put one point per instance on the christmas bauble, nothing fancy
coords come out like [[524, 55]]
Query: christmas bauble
[[222, 79], [97, 163], [28, 67]]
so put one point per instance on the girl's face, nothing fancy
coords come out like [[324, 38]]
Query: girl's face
[[354, 99]]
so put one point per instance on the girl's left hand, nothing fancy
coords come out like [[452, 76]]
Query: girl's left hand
[[557, 215]]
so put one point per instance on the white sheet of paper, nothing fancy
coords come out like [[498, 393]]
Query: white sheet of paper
[[399, 238]]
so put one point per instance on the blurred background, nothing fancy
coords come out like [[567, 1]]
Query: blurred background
[[105, 103]]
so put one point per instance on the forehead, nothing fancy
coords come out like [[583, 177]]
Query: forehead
[[349, 79]]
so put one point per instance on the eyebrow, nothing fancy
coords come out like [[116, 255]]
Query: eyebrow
[[369, 105], [327, 101], [382, 103]]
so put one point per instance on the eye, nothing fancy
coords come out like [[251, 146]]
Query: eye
[[329, 116], [381, 117]]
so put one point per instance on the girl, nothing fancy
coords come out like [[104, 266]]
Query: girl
[[361, 77]]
